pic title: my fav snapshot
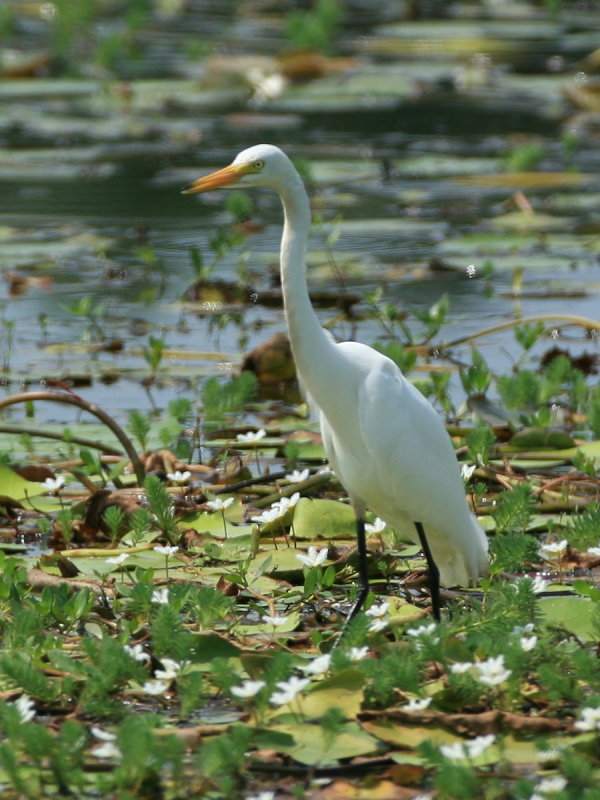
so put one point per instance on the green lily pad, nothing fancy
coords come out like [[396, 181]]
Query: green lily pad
[[575, 614]]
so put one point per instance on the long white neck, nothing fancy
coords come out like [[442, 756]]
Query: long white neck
[[312, 348]]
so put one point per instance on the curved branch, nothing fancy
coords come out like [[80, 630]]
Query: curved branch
[[103, 448], [570, 319], [91, 408]]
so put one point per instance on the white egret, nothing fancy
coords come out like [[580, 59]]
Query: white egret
[[384, 440]]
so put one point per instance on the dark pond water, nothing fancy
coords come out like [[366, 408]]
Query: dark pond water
[[408, 142]]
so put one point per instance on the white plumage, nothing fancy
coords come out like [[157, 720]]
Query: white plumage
[[384, 440]]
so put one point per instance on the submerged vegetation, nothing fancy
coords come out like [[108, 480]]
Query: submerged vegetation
[[177, 560]]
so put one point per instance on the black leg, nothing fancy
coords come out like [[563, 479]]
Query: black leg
[[434, 573], [363, 576]]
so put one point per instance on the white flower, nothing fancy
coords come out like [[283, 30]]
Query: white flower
[[318, 665], [104, 736], [285, 503], [460, 667], [518, 630], [171, 669], [550, 785], [539, 584], [262, 796], [54, 484], [418, 704], [536, 796], [471, 749], [219, 505], [252, 437], [275, 621], [528, 642], [136, 651], [179, 477], [268, 515], [378, 610], [453, 751], [422, 630], [160, 596], [155, 687], [357, 653], [590, 720], [466, 471], [288, 690], [376, 526], [106, 750], [25, 707], [422, 797], [165, 550], [118, 559], [480, 743], [314, 557], [298, 475], [377, 625], [247, 689], [492, 672], [553, 550], [594, 551]]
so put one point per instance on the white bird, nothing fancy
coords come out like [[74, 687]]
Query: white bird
[[384, 440]]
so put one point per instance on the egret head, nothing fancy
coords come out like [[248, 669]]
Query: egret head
[[261, 165]]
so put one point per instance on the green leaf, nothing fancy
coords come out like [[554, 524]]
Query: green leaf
[[14, 487]]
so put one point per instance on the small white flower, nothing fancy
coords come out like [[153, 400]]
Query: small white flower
[[179, 477], [519, 630], [106, 750], [118, 559], [247, 689], [314, 557], [171, 669], [594, 551], [492, 671], [536, 796], [377, 526], [476, 746], [471, 749], [54, 484], [25, 707], [418, 704], [590, 720], [318, 665], [268, 515], [262, 796], [155, 687], [136, 651], [378, 609], [422, 797], [466, 471], [284, 504], [422, 630], [553, 550], [252, 437], [551, 785], [357, 653], [104, 736], [528, 642], [160, 596], [377, 625], [298, 475], [539, 585], [288, 690], [165, 550], [275, 621], [219, 505], [453, 751], [460, 667]]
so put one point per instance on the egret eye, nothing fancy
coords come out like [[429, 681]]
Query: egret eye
[[258, 165]]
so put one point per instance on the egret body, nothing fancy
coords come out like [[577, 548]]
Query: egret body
[[384, 440]]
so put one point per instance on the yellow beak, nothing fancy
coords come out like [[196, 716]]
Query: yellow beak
[[217, 180]]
